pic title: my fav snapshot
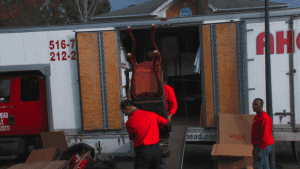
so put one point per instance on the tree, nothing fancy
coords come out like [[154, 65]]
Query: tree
[[16, 13], [81, 11]]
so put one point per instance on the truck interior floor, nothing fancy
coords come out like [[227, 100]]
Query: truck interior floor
[[190, 121]]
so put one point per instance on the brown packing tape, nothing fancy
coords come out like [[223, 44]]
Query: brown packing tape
[[112, 80], [90, 82]]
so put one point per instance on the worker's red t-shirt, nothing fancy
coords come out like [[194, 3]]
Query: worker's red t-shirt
[[142, 127], [261, 133], [171, 102]]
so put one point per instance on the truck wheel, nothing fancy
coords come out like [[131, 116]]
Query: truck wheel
[[12, 147]]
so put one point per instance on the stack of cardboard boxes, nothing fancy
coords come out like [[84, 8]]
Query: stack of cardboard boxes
[[42, 159], [234, 149], [54, 143]]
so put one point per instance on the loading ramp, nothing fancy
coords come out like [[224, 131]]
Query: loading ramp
[[177, 146]]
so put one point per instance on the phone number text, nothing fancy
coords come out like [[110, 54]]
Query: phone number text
[[62, 55]]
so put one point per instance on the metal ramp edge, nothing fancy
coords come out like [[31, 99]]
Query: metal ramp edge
[[177, 146]]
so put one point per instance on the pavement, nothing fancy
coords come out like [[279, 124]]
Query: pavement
[[198, 157]]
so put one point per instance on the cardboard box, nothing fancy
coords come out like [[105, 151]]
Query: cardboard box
[[234, 149], [41, 165], [17, 166], [56, 164], [235, 163], [55, 139], [54, 144], [235, 128], [40, 155]]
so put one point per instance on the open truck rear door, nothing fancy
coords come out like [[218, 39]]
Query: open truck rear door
[[224, 70], [98, 65], [284, 50]]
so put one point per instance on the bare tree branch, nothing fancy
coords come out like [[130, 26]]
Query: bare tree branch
[[95, 8], [85, 7], [91, 6], [79, 10]]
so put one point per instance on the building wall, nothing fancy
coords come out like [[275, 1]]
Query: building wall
[[174, 11]]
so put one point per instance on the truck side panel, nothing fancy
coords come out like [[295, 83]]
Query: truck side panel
[[279, 67], [52, 47], [63, 79], [90, 83], [112, 79], [228, 68], [209, 100], [23, 48], [297, 68], [221, 71]]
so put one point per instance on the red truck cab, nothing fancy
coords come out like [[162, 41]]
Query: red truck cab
[[23, 110]]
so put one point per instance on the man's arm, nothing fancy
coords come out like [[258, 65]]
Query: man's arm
[[163, 123], [172, 102], [129, 130]]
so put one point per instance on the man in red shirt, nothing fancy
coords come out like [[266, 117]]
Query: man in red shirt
[[171, 102], [143, 129], [261, 136]]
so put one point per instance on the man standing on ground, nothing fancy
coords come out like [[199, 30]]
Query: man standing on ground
[[261, 136], [143, 129], [171, 102]]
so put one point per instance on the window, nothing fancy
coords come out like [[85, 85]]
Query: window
[[4, 90], [30, 89], [185, 12]]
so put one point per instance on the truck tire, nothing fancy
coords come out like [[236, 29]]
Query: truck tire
[[12, 146]]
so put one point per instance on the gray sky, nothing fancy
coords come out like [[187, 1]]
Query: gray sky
[[293, 3], [119, 4]]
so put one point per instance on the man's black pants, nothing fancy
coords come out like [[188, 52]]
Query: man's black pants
[[147, 157]]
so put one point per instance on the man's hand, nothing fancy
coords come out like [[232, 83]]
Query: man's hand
[[169, 117]]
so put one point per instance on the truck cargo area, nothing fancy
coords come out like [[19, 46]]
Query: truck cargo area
[[178, 47]]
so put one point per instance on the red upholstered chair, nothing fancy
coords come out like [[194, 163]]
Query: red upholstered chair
[[146, 79], [147, 89]]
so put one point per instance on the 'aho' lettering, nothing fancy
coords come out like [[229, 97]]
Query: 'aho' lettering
[[279, 43]]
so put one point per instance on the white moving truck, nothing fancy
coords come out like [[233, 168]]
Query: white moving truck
[[78, 74]]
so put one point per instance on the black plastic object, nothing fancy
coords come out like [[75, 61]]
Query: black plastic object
[[77, 148]]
